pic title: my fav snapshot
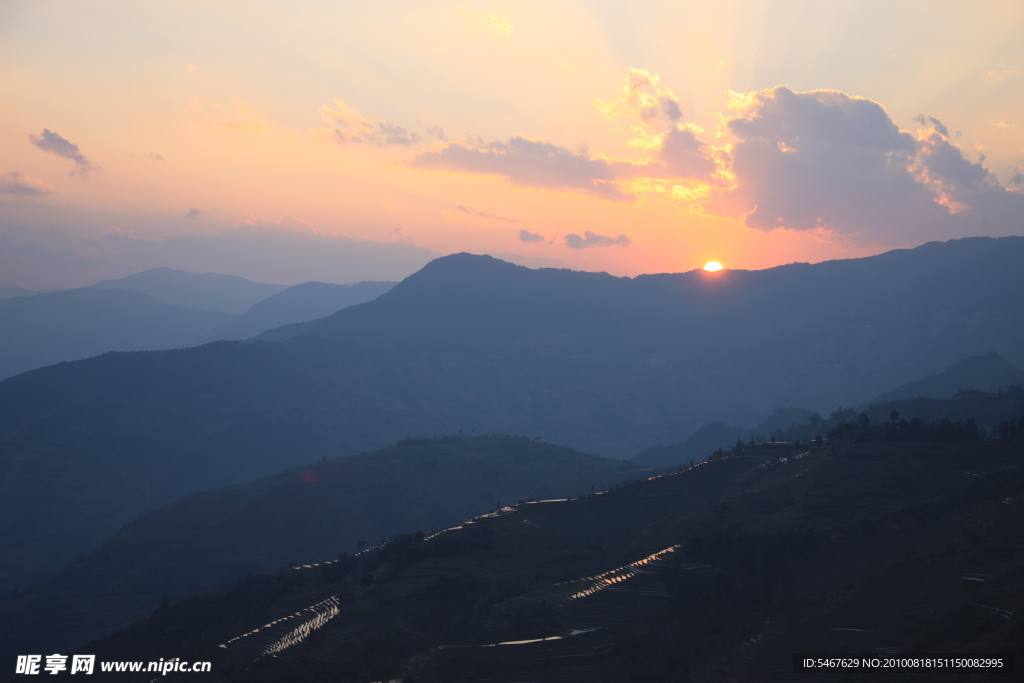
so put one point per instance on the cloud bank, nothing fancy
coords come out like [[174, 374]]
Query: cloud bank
[[827, 160]]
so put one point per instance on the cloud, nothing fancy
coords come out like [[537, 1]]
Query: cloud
[[493, 21], [352, 128], [641, 96], [528, 163], [55, 144], [677, 152], [18, 184], [487, 215], [155, 158], [527, 236], [828, 160], [193, 214], [246, 118], [684, 156], [590, 239]]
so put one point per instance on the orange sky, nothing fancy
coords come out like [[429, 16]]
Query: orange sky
[[651, 138]]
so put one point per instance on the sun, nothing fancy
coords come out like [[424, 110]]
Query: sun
[[712, 266]]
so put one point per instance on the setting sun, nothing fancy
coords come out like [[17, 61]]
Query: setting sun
[[712, 266]]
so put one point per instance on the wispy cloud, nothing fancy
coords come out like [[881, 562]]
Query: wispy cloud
[[483, 214], [17, 183], [352, 128], [591, 239], [493, 21], [53, 143], [194, 214]]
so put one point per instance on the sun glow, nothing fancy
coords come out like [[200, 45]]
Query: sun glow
[[712, 266]]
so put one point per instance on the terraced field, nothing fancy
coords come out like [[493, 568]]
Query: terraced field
[[717, 573]]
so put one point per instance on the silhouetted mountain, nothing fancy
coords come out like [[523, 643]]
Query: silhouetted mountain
[[696, 447], [710, 438], [719, 572], [294, 518], [604, 364], [300, 303], [43, 329], [203, 291], [988, 372]]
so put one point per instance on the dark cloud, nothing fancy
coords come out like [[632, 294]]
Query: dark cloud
[[528, 163], [590, 239], [18, 184], [527, 236], [491, 216], [54, 144], [193, 214]]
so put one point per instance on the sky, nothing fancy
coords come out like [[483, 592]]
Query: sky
[[343, 141]]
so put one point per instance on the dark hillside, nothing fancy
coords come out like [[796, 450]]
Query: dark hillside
[[297, 517], [719, 572]]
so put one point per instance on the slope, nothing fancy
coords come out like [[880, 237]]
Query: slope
[[300, 303], [292, 518], [43, 329], [722, 571]]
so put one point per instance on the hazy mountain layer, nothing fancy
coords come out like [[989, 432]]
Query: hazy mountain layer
[[300, 303], [988, 372], [203, 291], [68, 325], [296, 517]]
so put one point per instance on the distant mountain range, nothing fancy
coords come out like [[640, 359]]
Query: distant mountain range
[[603, 364], [201, 292], [987, 373], [10, 291], [68, 325], [156, 309]]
